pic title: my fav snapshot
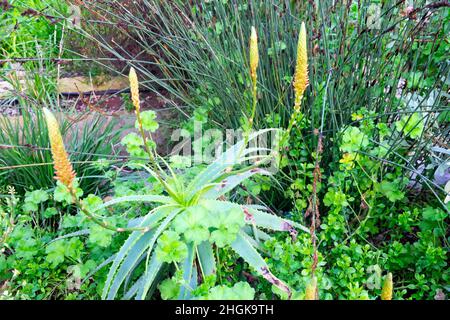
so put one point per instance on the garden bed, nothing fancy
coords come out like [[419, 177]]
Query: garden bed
[[337, 185]]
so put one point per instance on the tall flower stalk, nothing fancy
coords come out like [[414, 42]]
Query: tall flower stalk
[[301, 80], [157, 170], [64, 172], [63, 168], [254, 62], [134, 88]]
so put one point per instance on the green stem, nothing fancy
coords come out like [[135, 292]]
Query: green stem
[[100, 222]]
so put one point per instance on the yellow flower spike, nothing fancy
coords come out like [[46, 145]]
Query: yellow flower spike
[[311, 290], [254, 61], [134, 88], [301, 79], [388, 287], [63, 168], [254, 55]]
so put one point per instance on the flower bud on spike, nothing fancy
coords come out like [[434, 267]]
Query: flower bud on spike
[[301, 79], [63, 168]]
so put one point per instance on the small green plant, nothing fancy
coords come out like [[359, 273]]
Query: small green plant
[[128, 104]]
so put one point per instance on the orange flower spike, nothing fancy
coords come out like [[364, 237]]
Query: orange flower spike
[[134, 88], [63, 168]]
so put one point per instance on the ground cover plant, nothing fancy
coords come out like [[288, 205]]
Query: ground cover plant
[[348, 200]]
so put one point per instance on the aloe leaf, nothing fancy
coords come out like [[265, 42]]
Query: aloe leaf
[[249, 239], [271, 221], [120, 256], [160, 230], [206, 258], [129, 277], [188, 267], [257, 207], [259, 218], [134, 288], [149, 220], [193, 283], [136, 198], [149, 276], [230, 157], [71, 235], [231, 182], [243, 248], [129, 263], [100, 266], [248, 229]]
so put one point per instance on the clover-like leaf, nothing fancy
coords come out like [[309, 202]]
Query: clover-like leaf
[[227, 224], [92, 202], [169, 289], [55, 253], [170, 248], [353, 140], [100, 236], [62, 193], [132, 142], [148, 121], [391, 190], [410, 125], [240, 291], [50, 212], [193, 223]]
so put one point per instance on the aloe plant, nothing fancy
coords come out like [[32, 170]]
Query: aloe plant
[[186, 225]]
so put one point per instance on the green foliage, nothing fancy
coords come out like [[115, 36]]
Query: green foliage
[[194, 224], [411, 125], [240, 291], [58, 251], [365, 148], [353, 140], [33, 199], [226, 226], [169, 248], [148, 121], [31, 32], [39, 262], [18, 28], [169, 289]]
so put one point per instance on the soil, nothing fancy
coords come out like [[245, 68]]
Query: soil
[[114, 106], [110, 104]]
